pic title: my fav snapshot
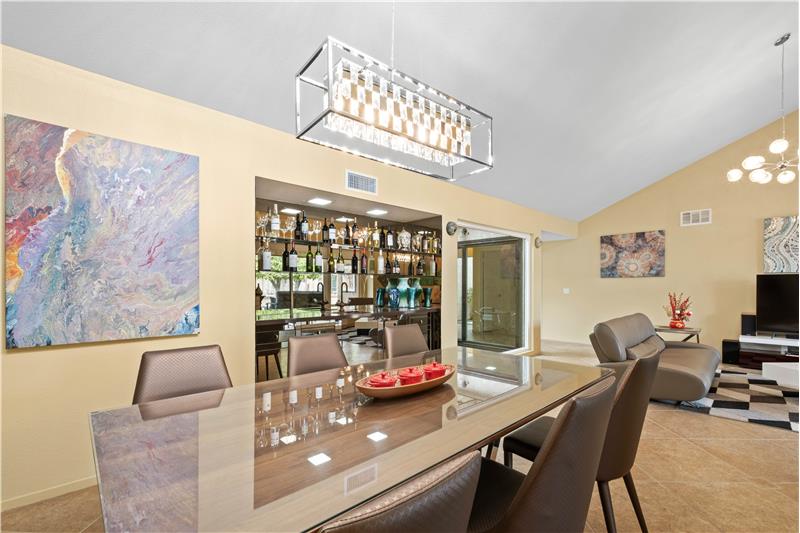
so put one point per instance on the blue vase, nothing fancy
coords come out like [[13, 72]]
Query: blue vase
[[394, 298], [426, 294], [379, 297]]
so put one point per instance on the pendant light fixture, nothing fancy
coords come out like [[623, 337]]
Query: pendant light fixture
[[760, 170], [347, 100]]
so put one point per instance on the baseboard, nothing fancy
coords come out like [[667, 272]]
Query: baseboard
[[52, 492]]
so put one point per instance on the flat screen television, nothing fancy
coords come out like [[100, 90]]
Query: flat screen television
[[776, 303]]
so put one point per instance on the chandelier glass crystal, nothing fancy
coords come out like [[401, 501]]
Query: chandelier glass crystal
[[761, 170], [347, 100]]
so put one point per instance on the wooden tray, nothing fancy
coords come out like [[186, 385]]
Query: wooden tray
[[398, 390]]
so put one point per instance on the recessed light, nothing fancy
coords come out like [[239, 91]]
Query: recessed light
[[344, 219], [319, 201], [377, 212], [377, 436], [490, 368], [318, 459], [290, 210]]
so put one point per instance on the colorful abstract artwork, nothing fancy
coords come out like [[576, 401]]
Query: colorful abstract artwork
[[101, 237], [632, 255], [781, 244]]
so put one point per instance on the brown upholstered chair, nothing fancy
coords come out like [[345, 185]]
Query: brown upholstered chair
[[622, 439], [404, 340], [555, 494], [315, 353], [435, 502], [178, 372]]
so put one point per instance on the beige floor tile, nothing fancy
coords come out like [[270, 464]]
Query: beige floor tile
[[661, 406], [678, 460], [789, 489], [654, 430], [740, 507], [772, 461], [69, 512], [95, 527], [700, 425], [663, 511]]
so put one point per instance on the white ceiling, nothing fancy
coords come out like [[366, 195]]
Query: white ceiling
[[591, 101]]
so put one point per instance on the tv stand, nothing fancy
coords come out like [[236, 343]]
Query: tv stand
[[755, 350]]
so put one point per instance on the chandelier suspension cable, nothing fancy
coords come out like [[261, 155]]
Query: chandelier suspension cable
[[391, 55], [783, 113]]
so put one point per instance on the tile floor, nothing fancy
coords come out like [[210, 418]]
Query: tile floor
[[693, 472]]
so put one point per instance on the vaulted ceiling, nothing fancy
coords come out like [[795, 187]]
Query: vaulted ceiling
[[591, 101]]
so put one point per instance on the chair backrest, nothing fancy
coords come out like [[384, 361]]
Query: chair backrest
[[627, 418], [178, 372], [440, 500], [314, 353], [612, 338], [404, 340], [556, 493]]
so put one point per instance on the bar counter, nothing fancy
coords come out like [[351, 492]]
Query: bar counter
[[354, 312]]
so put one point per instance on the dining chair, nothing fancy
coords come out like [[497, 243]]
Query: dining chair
[[315, 353], [555, 494], [437, 501], [404, 340], [180, 371], [621, 442]]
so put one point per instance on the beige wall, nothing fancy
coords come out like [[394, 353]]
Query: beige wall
[[716, 264], [48, 393]]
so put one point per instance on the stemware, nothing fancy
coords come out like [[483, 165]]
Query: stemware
[[289, 228]]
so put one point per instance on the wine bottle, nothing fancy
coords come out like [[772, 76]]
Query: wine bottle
[[266, 257], [293, 259], [354, 262], [382, 238], [376, 236], [396, 266], [285, 263], [309, 260], [331, 233], [364, 261], [381, 266], [331, 263], [389, 239], [346, 239], [354, 232], [340, 263], [420, 267], [304, 227], [424, 247], [434, 266], [371, 265], [275, 220], [325, 231], [411, 266], [298, 228], [389, 269], [318, 260]]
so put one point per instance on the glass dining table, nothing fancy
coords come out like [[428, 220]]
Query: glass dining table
[[291, 454]]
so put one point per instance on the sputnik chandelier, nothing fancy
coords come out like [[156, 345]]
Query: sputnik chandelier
[[760, 170], [347, 100]]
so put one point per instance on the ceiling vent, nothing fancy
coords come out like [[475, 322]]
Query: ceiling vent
[[361, 182], [696, 217]]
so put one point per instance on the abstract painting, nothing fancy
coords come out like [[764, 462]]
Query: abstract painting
[[632, 255], [780, 244], [101, 237]]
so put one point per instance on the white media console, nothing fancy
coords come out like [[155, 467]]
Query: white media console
[[784, 373]]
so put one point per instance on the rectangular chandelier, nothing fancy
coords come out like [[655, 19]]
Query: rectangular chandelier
[[347, 100]]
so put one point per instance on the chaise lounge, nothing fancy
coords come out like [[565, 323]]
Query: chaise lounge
[[685, 372]]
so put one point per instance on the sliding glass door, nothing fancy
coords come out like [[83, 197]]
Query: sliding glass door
[[490, 289]]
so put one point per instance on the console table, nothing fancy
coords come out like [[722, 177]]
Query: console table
[[688, 332]]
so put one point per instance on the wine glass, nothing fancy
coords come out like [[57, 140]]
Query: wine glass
[[291, 224], [316, 229]]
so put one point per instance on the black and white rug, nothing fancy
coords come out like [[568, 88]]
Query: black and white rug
[[749, 398]]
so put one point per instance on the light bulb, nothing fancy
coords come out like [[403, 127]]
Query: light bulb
[[760, 176], [753, 162], [787, 176], [735, 174], [778, 146]]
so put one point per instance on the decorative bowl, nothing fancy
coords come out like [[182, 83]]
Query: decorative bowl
[[410, 375], [367, 388]]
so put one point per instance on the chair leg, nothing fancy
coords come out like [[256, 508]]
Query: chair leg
[[278, 363], [491, 449], [608, 509], [508, 459], [635, 501]]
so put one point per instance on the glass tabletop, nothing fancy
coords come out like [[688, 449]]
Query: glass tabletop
[[290, 454]]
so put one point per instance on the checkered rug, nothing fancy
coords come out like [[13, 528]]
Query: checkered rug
[[749, 398]]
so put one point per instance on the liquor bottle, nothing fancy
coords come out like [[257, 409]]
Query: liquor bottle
[[389, 239], [346, 239], [258, 253], [318, 260], [275, 220], [266, 257], [425, 242], [325, 231], [371, 264], [382, 238], [434, 266], [420, 267], [364, 261], [396, 266], [309, 260], [304, 227], [293, 259], [331, 263], [376, 237], [354, 232], [354, 262], [285, 263], [298, 228], [411, 266], [389, 268], [331, 232], [381, 266], [435, 244], [340, 263]]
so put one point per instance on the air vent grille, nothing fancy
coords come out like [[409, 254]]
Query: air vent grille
[[361, 182], [696, 217]]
